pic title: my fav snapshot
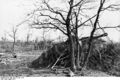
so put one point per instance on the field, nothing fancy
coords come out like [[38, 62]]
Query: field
[[18, 67]]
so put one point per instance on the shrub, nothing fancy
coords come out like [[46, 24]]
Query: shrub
[[107, 60]]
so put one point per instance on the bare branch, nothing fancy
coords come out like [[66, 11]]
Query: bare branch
[[53, 11], [87, 20], [113, 7], [95, 37], [78, 3], [58, 28], [49, 23], [44, 27], [56, 19], [108, 27]]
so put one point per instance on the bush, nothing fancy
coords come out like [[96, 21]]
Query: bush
[[107, 60]]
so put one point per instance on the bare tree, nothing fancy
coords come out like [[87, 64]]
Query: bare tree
[[4, 38], [28, 37], [36, 47], [13, 35], [63, 24], [44, 39], [68, 21], [96, 24]]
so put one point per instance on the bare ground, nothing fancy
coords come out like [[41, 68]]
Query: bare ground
[[18, 67]]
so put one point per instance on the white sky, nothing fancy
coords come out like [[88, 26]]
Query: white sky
[[12, 12]]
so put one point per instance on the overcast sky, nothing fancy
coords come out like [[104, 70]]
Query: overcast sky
[[12, 12]]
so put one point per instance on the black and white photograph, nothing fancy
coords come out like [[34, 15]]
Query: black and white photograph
[[59, 38]]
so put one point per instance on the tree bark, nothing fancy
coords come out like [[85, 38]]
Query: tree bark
[[72, 45], [78, 57], [69, 34], [13, 48]]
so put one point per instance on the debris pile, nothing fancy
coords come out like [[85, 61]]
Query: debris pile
[[57, 55], [101, 58]]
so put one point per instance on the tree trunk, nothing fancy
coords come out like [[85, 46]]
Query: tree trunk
[[76, 41], [69, 34], [72, 50], [92, 33], [78, 52], [78, 57], [13, 48]]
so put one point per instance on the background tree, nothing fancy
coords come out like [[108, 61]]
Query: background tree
[[44, 39], [4, 38], [13, 35], [28, 36]]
